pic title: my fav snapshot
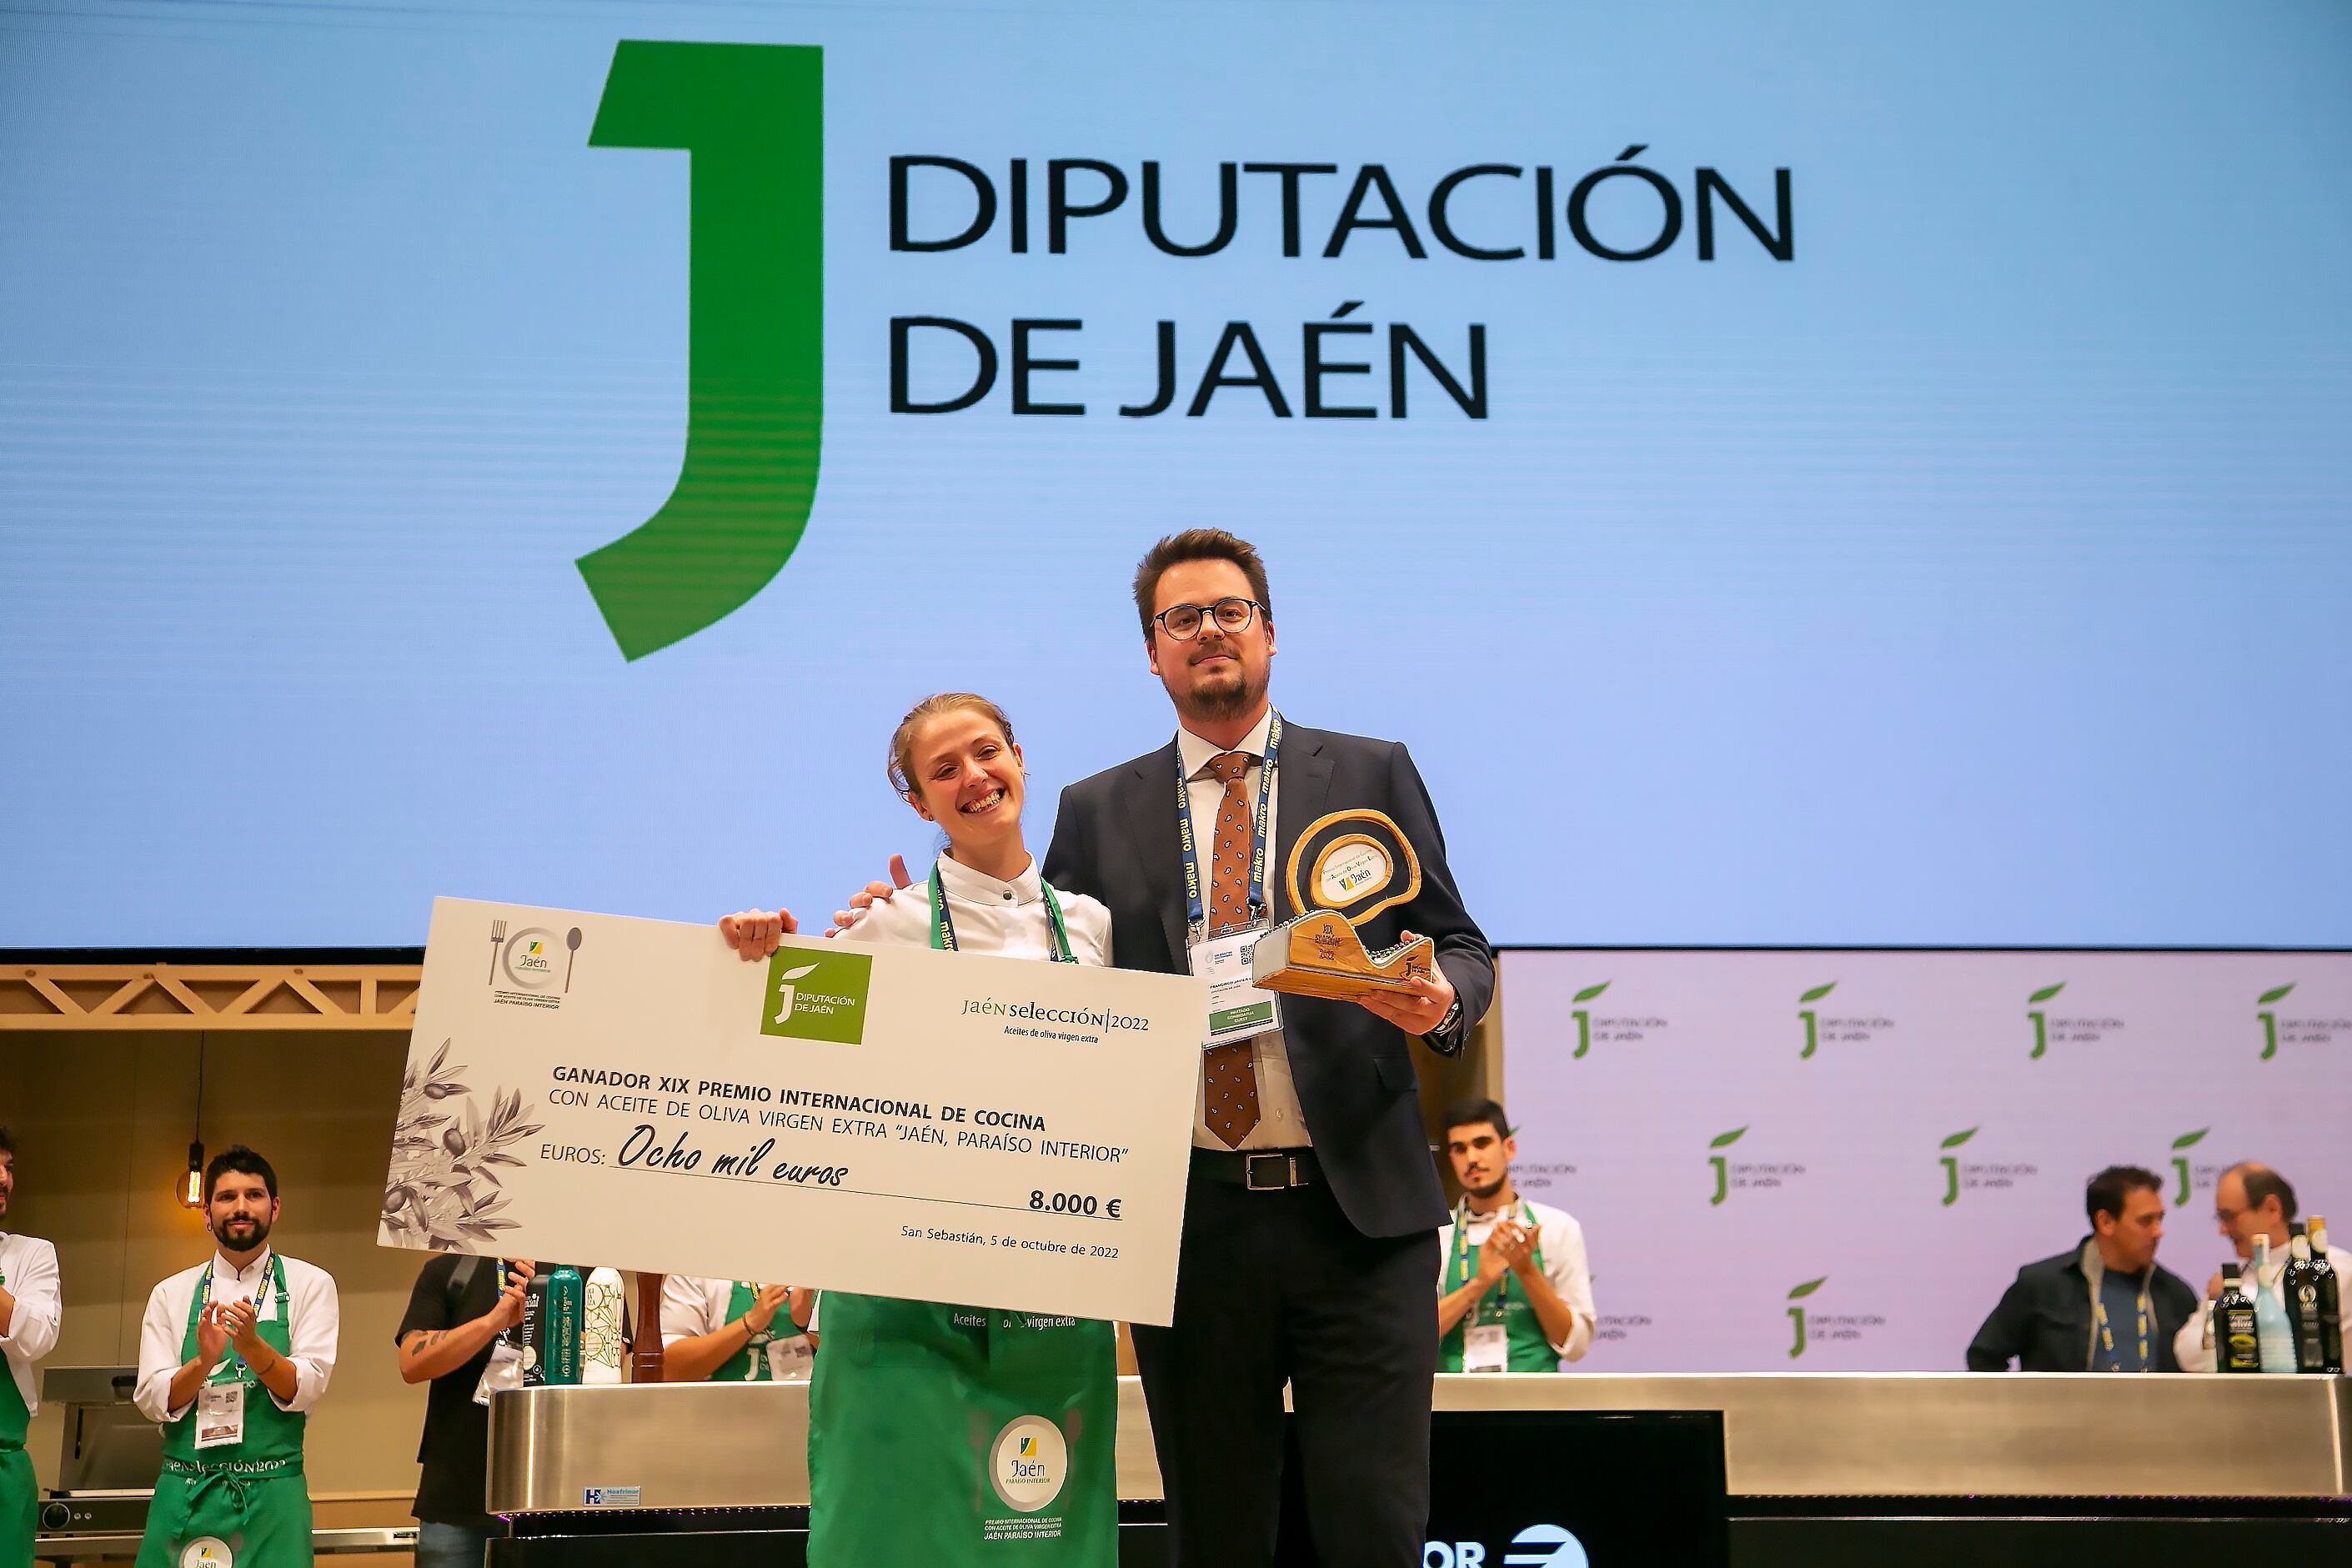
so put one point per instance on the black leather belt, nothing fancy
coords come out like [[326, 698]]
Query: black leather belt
[[1260, 1170]]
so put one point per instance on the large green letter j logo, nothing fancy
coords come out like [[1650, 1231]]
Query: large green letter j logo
[[752, 118]]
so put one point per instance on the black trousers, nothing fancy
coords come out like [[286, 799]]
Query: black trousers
[[1275, 1287]]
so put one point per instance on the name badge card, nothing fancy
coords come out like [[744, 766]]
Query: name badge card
[[1238, 1009], [220, 1415], [1485, 1347]]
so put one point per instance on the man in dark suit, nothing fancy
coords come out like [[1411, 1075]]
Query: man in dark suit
[[1310, 1221]]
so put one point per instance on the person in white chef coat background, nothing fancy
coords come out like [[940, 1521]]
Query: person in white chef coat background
[[28, 1331]]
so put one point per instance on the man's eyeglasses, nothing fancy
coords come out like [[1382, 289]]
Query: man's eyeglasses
[[1183, 621]]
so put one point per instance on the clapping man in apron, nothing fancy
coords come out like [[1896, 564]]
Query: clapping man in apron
[[233, 1355]]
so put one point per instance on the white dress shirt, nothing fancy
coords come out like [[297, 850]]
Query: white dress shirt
[[1281, 1120], [2189, 1346], [28, 1271], [1560, 1240], [316, 1321], [692, 1306], [1003, 919]]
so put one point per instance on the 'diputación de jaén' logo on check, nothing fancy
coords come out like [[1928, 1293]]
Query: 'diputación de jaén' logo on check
[[751, 118], [816, 996]]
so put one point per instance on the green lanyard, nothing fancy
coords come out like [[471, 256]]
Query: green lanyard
[[943, 935], [1194, 912]]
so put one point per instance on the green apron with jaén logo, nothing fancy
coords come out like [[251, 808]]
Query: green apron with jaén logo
[[18, 1515], [750, 1364], [1524, 1348], [962, 1436], [242, 1505]]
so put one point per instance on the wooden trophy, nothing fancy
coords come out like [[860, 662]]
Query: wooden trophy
[[1359, 864]]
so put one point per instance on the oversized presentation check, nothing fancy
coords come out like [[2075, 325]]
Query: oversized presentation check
[[894, 1121]]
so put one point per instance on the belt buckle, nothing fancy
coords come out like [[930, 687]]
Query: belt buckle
[[1282, 1176]]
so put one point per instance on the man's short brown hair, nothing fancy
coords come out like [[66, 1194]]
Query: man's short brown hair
[[1198, 544]]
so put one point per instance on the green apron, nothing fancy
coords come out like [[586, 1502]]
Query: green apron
[[17, 1515], [244, 1505], [952, 1436], [1524, 1348], [749, 1365]]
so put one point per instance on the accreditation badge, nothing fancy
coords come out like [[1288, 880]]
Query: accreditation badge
[[220, 1415], [1238, 1009], [503, 1370], [207, 1552], [1485, 1347], [790, 1360]]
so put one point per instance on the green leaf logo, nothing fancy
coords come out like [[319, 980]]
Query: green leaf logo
[[1590, 992], [2046, 992], [2279, 995], [1808, 1288], [2188, 1140], [1724, 1140], [803, 973], [1957, 1139], [1818, 992], [751, 119]]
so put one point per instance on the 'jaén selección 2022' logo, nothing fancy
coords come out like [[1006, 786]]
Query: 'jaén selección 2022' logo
[[751, 119], [814, 995]]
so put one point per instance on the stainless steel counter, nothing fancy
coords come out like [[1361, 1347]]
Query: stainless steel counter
[[1923, 1435]]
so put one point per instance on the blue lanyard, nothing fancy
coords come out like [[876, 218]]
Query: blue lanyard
[[1195, 910], [943, 935], [260, 1304]]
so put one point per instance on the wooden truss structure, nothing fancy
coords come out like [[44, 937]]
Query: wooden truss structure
[[255, 995]]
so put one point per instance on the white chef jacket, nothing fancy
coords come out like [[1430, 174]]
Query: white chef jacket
[[2189, 1346], [313, 1330], [1281, 1120], [1003, 919], [1561, 1239], [692, 1306], [28, 1269]]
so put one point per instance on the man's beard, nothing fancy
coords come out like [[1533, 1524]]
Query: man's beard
[[260, 1234], [1485, 1193], [1224, 701]]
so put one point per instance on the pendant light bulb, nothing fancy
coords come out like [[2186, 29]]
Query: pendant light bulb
[[191, 1185]]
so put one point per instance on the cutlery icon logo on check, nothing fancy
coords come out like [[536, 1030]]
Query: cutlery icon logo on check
[[528, 958]]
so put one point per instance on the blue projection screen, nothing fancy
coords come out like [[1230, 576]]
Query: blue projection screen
[[1834, 473]]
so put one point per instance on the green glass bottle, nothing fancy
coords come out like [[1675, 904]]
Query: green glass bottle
[[566, 1307]]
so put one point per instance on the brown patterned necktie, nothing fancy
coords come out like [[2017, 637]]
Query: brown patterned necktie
[[1229, 1072]]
